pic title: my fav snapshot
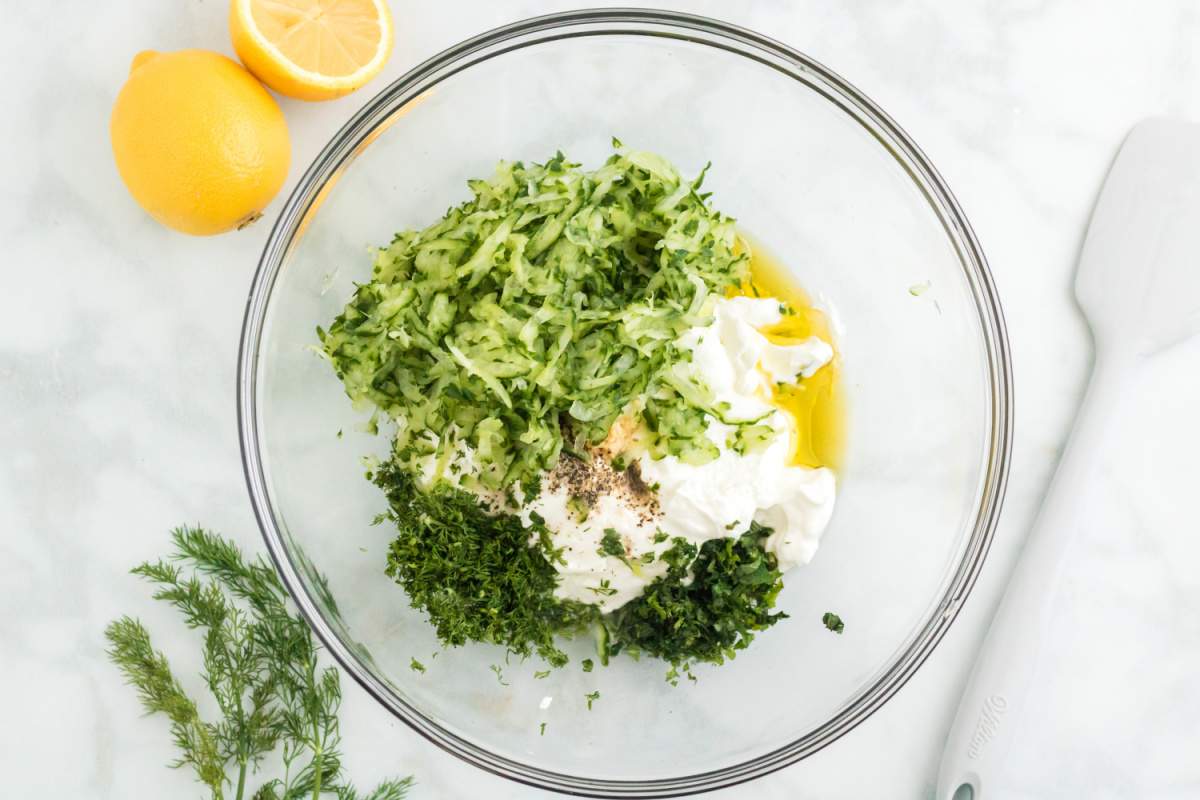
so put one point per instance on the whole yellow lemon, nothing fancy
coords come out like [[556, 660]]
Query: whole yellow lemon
[[199, 142]]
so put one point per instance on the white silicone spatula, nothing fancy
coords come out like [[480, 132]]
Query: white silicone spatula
[[1139, 286]]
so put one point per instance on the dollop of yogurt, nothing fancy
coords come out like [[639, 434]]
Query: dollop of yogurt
[[740, 365]]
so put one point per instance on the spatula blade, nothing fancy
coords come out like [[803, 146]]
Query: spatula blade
[[1139, 272]]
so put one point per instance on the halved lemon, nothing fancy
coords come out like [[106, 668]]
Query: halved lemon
[[312, 49]]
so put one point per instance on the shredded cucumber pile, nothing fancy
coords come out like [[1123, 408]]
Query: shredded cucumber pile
[[531, 316]]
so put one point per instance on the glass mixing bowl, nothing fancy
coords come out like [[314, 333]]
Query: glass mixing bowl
[[829, 184]]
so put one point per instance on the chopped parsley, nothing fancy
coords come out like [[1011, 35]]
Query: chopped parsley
[[833, 622], [416, 666], [733, 586], [612, 546], [676, 670], [591, 697], [587, 665], [499, 674], [542, 673]]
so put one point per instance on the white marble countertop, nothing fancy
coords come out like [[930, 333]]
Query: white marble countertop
[[118, 338]]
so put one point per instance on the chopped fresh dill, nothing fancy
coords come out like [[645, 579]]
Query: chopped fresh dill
[[605, 588], [474, 573]]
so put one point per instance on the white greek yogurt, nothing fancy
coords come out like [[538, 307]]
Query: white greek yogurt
[[740, 365]]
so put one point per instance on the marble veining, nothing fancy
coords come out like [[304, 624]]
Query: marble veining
[[118, 342]]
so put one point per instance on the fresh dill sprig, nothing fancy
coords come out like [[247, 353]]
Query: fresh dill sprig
[[148, 671], [259, 663]]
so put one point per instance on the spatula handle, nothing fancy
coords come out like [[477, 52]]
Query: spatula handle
[[989, 715]]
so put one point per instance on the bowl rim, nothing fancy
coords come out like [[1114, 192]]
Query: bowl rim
[[352, 136]]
